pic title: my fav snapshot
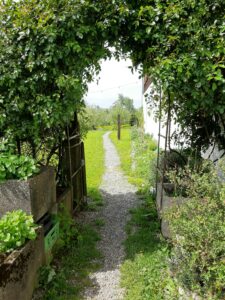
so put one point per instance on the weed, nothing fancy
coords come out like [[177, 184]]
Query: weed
[[99, 222], [67, 276]]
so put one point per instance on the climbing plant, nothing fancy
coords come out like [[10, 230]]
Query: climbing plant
[[181, 46], [50, 50]]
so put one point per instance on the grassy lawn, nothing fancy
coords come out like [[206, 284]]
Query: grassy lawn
[[94, 156], [124, 148], [145, 273], [137, 154]]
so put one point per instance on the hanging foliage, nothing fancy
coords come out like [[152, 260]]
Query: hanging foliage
[[50, 50], [181, 46]]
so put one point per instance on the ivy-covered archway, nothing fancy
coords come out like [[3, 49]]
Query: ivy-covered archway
[[50, 50]]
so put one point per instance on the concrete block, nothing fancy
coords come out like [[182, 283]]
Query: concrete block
[[35, 196], [65, 199], [19, 270]]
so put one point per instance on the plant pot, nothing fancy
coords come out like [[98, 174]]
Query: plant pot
[[36, 195], [19, 270], [167, 201]]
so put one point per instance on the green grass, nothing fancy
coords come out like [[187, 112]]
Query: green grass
[[94, 156], [145, 272], [67, 276], [124, 148], [99, 222], [139, 165]]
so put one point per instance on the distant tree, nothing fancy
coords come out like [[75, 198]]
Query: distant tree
[[126, 103], [94, 116], [123, 106]]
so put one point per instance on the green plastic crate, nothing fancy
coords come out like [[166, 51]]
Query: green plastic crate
[[51, 237]]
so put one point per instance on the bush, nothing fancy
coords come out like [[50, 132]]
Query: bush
[[15, 228], [16, 167], [198, 233]]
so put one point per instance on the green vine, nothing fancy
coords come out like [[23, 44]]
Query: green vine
[[50, 50]]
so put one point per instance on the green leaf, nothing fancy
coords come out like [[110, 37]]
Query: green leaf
[[214, 86]]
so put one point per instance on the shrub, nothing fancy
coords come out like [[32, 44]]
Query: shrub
[[16, 167], [15, 228], [198, 233]]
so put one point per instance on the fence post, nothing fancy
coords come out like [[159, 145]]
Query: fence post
[[119, 127]]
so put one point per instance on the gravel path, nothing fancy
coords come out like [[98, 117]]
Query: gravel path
[[119, 197]]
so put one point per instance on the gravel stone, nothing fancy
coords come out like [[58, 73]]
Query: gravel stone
[[119, 197]]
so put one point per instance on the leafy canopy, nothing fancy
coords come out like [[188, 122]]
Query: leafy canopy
[[181, 46], [50, 50]]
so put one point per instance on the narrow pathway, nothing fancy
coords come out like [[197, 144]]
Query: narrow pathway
[[119, 197]]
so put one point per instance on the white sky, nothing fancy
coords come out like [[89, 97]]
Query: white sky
[[115, 78]]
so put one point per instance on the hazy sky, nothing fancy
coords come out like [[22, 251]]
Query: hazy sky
[[115, 78]]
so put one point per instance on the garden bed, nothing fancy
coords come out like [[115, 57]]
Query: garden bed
[[19, 269], [36, 195]]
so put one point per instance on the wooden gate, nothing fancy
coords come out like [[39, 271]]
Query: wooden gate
[[74, 165]]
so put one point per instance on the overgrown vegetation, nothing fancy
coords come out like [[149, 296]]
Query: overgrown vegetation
[[144, 149], [75, 253], [94, 156], [154, 269], [198, 232], [67, 276], [181, 47], [75, 257], [51, 50], [15, 229]]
